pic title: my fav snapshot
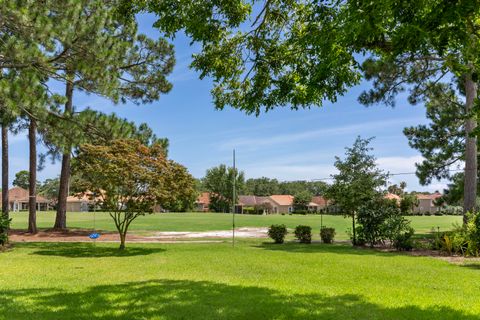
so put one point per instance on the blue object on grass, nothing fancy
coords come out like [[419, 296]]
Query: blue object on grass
[[94, 236]]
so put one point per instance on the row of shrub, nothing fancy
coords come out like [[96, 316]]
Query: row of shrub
[[302, 233]]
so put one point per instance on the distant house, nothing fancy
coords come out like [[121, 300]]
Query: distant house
[[281, 203], [321, 203], [426, 203], [82, 202], [18, 200], [259, 204], [392, 196], [203, 201]]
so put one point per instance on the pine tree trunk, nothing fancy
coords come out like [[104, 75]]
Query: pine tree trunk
[[61, 217], [470, 189], [5, 206], [32, 200]]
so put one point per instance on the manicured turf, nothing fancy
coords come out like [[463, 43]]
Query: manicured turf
[[215, 281], [219, 221]]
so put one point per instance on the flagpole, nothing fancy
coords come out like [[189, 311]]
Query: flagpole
[[233, 200]]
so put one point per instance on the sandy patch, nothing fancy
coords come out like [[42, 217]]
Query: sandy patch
[[79, 235]]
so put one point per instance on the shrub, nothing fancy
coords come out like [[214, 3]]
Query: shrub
[[379, 221], [300, 211], [327, 234], [403, 240], [303, 234], [4, 225], [277, 232], [462, 240]]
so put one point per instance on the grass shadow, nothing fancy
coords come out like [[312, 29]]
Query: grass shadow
[[474, 266], [185, 299], [87, 250], [335, 248]]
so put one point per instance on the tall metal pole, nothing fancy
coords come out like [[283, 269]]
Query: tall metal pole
[[233, 200]]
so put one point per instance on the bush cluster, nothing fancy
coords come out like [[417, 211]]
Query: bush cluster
[[277, 232], [463, 240], [303, 234], [327, 234], [380, 221]]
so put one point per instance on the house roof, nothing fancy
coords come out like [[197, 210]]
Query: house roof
[[250, 201], [392, 196], [247, 200], [204, 198], [319, 200], [21, 195], [84, 197], [425, 196], [282, 199]]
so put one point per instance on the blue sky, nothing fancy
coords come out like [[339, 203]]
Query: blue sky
[[282, 144]]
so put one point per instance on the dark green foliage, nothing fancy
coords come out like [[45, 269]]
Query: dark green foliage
[[49, 188], [301, 201], [327, 234], [21, 179], [408, 203], [262, 187], [303, 233], [358, 180], [277, 232], [219, 182], [266, 187], [403, 241], [380, 220], [442, 141], [4, 226]]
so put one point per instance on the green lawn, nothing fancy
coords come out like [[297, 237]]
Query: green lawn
[[219, 221], [215, 281]]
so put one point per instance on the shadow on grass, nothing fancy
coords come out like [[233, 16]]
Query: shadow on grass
[[179, 299], [471, 266], [87, 250], [337, 248]]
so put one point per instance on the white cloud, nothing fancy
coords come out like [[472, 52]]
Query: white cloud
[[257, 142]]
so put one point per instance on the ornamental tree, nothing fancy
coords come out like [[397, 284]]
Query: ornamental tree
[[132, 179], [358, 180]]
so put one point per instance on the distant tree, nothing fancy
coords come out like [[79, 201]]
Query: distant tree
[[301, 201], [49, 188], [397, 189], [408, 203], [132, 179], [262, 186], [358, 180], [219, 182], [22, 179]]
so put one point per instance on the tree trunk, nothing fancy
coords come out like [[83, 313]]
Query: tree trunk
[[32, 199], [61, 217], [122, 241], [470, 189], [354, 240], [5, 206]]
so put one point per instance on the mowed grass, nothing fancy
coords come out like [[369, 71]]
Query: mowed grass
[[254, 280], [220, 221]]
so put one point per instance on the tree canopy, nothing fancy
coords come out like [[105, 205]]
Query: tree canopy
[[132, 179], [358, 180]]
